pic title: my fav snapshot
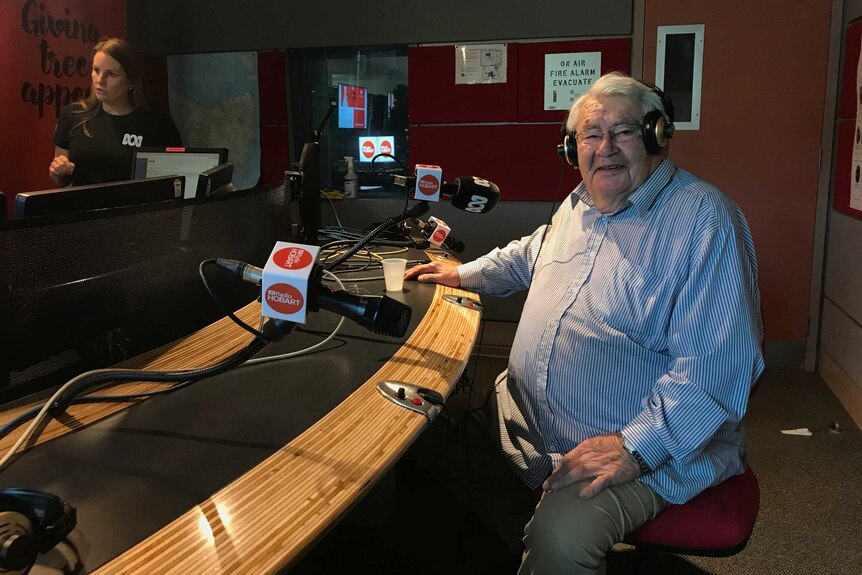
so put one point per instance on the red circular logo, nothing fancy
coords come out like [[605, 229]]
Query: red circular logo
[[284, 298], [428, 185], [439, 236], [368, 149], [385, 147], [292, 258]]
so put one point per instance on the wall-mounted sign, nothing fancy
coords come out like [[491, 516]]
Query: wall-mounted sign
[[480, 64], [567, 76]]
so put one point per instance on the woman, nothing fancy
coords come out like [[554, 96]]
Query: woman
[[95, 137]]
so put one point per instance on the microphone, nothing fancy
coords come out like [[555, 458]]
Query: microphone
[[468, 193], [453, 244], [379, 314], [436, 231], [473, 194]]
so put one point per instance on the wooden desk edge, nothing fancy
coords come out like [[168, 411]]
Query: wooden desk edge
[[266, 519]]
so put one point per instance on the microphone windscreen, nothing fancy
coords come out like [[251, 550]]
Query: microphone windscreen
[[476, 195], [392, 318], [455, 245]]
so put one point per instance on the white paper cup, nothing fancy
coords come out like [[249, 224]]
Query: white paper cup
[[393, 273]]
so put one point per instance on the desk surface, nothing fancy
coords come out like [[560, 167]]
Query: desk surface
[[242, 472]]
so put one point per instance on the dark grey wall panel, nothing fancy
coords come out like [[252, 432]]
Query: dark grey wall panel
[[183, 26], [843, 281]]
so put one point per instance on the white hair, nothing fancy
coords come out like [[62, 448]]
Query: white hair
[[617, 84]]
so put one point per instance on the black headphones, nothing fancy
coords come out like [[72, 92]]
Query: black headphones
[[31, 522], [658, 128]]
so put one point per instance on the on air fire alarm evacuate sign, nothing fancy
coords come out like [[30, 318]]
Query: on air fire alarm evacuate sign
[[567, 76]]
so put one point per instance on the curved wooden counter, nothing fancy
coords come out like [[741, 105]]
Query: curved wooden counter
[[266, 519]]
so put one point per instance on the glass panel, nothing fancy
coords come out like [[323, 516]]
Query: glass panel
[[369, 86], [679, 73]]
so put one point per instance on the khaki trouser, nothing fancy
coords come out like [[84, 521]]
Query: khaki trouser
[[569, 535]]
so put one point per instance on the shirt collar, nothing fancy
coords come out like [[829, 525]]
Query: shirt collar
[[644, 197]]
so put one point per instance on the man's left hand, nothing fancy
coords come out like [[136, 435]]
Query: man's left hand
[[602, 459]]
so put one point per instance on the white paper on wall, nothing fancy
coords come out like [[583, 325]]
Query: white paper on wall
[[480, 63]]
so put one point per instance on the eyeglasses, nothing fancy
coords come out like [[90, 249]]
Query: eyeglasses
[[618, 134]]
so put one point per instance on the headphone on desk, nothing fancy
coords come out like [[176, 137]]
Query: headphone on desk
[[658, 129], [31, 522]]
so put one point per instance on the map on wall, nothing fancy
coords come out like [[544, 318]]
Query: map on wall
[[214, 102]]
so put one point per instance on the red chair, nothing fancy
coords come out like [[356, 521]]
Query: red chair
[[716, 523]]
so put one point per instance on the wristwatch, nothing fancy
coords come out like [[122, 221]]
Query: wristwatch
[[643, 466]]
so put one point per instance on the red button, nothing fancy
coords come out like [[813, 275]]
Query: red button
[[417, 401]]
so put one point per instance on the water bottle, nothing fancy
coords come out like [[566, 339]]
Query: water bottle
[[351, 180]]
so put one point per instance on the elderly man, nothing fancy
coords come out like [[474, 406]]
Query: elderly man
[[639, 340]]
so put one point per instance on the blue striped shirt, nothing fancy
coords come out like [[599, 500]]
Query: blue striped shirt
[[645, 322]]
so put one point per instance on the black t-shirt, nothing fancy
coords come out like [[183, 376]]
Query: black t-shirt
[[107, 155]]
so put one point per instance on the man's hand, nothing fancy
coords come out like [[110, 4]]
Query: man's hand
[[436, 272], [603, 459]]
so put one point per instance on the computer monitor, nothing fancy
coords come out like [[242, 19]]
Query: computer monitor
[[98, 196], [215, 181], [188, 162]]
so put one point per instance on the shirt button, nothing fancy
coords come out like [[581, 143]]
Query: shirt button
[[552, 447]]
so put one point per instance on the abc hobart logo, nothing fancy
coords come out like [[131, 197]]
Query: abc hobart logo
[[284, 298], [292, 258], [368, 149], [428, 185]]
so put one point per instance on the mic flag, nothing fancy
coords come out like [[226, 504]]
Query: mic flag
[[379, 314], [429, 181], [438, 231], [284, 288]]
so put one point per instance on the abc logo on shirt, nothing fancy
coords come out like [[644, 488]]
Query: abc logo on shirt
[[132, 140]]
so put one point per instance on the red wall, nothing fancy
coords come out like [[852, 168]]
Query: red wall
[[764, 84], [499, 132], [45, 52]]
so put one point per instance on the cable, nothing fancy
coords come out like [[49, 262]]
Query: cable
[[548, 223], [403, 170], [224, 308], [334, 211], [415, 211], [308, 349], [58, 403], [30, 413]]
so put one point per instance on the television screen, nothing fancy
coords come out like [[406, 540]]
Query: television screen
[[370, 146], [98, 196], [188, 162], [352, 106]]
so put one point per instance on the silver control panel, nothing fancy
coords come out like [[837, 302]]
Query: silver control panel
[[419, 399]]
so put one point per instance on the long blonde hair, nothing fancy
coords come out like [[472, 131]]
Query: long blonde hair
[[122, 52]]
